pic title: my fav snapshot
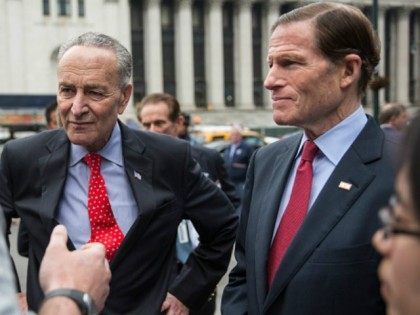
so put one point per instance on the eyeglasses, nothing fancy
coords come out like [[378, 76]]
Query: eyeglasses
[[387, 217]]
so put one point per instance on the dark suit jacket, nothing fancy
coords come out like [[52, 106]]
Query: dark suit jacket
[[172, 187], [330, 266], [238, 164], [212, 165]]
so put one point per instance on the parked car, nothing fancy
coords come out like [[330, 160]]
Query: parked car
[[253, 142]]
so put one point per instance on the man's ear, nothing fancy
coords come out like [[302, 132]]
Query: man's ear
[[180, 120], [125, 97], [352, 70]]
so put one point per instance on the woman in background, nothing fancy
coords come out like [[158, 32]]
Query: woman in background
[[399, 240]]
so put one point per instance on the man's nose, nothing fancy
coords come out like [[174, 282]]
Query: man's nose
[[381, 243], [273, 79], [79, 104]]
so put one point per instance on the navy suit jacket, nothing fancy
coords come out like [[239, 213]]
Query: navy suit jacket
[[32, 175], [330, 266], [238, 164]]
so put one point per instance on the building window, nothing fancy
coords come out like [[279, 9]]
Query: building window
[[257, 47], [64, 7], [414, 68], [228, 53], [81, 7], [46, 7], [137, 44], [168, 46], [199, 54]]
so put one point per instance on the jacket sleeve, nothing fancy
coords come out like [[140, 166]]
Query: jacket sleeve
[[215, 220]]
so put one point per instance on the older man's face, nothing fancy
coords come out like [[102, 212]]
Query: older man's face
[[89, 95], [304, 84]]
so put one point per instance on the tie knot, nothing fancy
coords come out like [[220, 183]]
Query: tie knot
[[93, 160], [309, 151]]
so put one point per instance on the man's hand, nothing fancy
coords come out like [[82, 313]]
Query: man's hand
[[85, 270], [23, 304], [173, 306]]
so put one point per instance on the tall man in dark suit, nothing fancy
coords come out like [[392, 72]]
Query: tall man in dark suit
[[311, 201], [393, 118], [125, 188], [237, 156], [161, 113]]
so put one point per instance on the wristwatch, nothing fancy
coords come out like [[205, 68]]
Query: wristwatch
[[82, 299]]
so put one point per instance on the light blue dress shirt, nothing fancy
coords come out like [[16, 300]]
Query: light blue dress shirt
[[332, 146], [72, 210]]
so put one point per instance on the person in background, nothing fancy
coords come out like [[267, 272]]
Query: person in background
[[183, 130], [51, 116], [67, 292], [311, 201], [237, 156], [399, 239], [127, 189], [161, 113], [393, 118]]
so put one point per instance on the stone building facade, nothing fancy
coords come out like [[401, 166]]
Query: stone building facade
[[211, 54]]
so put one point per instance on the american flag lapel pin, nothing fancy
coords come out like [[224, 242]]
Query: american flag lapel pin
[[345, 185], [137, 175]]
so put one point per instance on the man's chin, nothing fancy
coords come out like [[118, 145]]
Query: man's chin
[[79, 139], [282, 120]]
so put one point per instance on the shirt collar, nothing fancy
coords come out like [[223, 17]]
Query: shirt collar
[[336, 141], [112, 151]]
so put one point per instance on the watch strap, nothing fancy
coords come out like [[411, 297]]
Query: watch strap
[[82, 299]]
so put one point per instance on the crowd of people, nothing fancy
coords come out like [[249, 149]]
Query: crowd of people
[[124, 221]]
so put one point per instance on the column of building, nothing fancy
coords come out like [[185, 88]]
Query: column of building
[[244, 79], [403, 59], [5, 65], [184, 58], [214, 54], [74, 11], [16, 46], [153, 46]]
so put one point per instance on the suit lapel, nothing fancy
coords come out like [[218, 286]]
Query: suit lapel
[[268, 215], [53, 170], [139, 173], [331, 205]]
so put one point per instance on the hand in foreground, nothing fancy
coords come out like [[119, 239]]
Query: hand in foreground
[[173, 306], [85, 270], [23, 304]]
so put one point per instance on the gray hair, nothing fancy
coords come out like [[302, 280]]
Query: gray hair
[[391, 110], [92, 39]]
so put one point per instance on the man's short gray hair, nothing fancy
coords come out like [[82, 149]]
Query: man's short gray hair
[[92, 39]]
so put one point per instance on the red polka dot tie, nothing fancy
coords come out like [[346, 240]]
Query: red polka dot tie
[[295, 212], [104, 227]]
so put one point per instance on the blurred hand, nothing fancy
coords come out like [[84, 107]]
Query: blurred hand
[[86, 269], [173, 306], [23, 303]]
